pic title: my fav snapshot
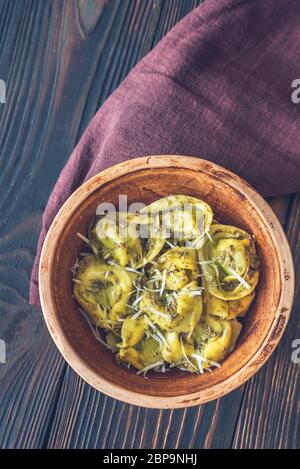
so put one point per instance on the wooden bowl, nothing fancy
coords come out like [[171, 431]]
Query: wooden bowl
[[145, 180]]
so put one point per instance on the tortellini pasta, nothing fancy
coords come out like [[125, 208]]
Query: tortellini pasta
[[164, 288], [229, 262], [178, 313], [115, 235], [180, 265], [215, 338], [179, 217], [102, 290], [227, 309], [146, 353]]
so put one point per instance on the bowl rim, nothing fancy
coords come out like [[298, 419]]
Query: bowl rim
[[265, 349]]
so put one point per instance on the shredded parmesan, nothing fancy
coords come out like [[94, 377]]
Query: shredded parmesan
[[138, 287], [163, 283], [185, 355], [191, 292], [136, 301], [129, 269], [159, 313], [240, 284], [75, 266], [156, 338], [199, 363], [136, 315], [76, 280], [182, 368], [172, 365], [131, 307], [95, 331], [84, 238], [150, 367], [206, 360], [240, 279], [94, 249], [197, 239], [170, 244], [152, 290], [161, 369], [209, 236], [121, 319], [156, 330]]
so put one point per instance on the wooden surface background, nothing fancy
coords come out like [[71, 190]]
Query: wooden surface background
[[61, 59]]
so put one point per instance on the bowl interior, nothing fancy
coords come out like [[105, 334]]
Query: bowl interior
[[146, 185]]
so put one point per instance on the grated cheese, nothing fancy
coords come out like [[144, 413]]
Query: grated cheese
[[240, 279], [240, 284], [129, 269], [84, 238], [163, 283], [185, 355], [131, 307], [170, 244], [150, 367], [197, 239], [136, 301], [156, 330], [209, 236], [136, 315], [206, 360], [95, 331]]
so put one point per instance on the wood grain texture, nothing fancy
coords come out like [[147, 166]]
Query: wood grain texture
[[87, 418], [61, 60], [270, 410]]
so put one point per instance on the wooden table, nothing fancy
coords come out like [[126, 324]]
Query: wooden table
[[61, 60]]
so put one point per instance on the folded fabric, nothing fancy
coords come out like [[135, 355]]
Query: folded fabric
[[218, 86]]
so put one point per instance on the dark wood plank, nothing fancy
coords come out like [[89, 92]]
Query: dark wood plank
[[28, 395], [86, 418], [60, 60], [28, 388], [270, 410]]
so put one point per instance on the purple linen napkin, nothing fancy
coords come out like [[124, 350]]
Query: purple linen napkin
[[218, 86]]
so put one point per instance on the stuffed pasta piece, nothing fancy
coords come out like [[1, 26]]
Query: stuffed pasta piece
[[103, 291], [229, 263]]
